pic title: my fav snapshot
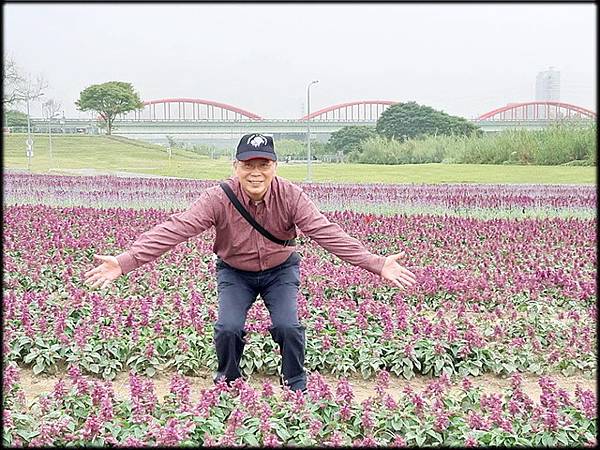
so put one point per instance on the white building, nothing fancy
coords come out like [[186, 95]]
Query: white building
[[547, 85]]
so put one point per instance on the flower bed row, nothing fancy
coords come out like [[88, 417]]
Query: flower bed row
[[492, 296], [520, 200], [80, 411]]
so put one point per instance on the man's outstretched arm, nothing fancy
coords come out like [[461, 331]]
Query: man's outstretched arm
[[334, 239], [397, 274], [153, 243], [105, 273]]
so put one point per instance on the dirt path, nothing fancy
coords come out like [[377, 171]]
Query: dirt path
[[34, 385]]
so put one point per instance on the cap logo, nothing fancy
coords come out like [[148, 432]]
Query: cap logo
[[256, 140]]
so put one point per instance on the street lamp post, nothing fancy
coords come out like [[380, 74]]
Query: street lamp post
[[50, 108], [309, 162], [29, 139], [50, 117]]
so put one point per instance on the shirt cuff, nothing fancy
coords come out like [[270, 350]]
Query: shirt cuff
[[375, 264], [127, 262]]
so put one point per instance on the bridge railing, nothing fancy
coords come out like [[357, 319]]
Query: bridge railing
[[186, 120]]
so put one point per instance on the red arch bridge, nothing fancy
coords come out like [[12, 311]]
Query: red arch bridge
[[190, 116]]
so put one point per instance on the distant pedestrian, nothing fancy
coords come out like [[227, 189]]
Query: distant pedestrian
[[253, 260]]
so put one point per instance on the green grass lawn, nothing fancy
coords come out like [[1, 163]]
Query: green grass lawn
[[118, 154]]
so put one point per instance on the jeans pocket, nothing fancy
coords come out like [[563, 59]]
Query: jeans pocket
[[295, 258], [290, 275], [296, 272], [224, 276]]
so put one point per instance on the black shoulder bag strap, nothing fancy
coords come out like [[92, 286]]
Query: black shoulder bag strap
[[251, 220]]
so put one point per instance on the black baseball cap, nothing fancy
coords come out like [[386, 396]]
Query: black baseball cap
[[255, 145]]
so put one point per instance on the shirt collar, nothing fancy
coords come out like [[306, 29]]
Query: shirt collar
[[245, 198]]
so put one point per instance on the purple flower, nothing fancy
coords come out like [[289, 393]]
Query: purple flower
[[59, 391], [149, 350], [398, 441], [208, 399], [143, 397], [435, 388], [564, 397], [587, 399], [180, 386], [10, 376], [344, 391], [208, 440], [314, 427], [267, 389], [132, 442], [441, 421], [383, 382], [98, 392], [182, 344], [318, 388], [91, 427], [418, 401], [389, 403], [466, 384], [476, 421], [470, 441], [249, 398], [516, 380], [345, 412], [298, 401], [336, 440], [174, 432], [505, 424], [265, 414], [514, 407], [367, 441], [235, 419], [7, 420], [547, 384], [367, 420], [270, 440]]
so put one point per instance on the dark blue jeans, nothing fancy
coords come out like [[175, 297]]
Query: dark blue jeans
[[278, 287]]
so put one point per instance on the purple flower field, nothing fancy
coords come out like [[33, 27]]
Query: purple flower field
[[494, 295], [457, 199]]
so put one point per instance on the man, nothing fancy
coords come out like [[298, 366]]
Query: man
[[249, 263]]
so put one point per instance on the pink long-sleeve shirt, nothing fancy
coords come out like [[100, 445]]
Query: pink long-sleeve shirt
[[284, 207]]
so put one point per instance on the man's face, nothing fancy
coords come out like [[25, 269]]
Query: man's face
[[255, 176]]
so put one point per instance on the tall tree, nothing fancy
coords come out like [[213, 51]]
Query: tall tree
[[410, 120], [108, 100], [12, 78], [19, 87], [51, 108], [348, 139]]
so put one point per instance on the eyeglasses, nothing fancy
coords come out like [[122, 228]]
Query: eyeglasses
[[262, 166]]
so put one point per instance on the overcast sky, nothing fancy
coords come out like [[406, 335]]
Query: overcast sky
[[461, 58]]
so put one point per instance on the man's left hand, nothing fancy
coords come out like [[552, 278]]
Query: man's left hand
[[394, 272]]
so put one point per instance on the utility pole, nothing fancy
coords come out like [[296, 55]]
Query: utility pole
[[29, 138], [52, 108], [29, 91], [309, 162]]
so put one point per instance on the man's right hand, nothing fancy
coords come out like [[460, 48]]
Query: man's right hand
[[105, 273]]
